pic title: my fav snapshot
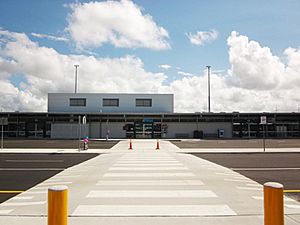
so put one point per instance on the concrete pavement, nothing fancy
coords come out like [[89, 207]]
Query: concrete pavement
[[146, 186]]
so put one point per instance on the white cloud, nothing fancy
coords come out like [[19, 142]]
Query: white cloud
[[48, 71], [203, 37], [185, 74], [165, 66], [121, 23], [50, 37], [254, 67], [293, 68]]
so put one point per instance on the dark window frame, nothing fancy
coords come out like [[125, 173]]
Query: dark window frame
[[76, 102], [142, 102], [109, 102]]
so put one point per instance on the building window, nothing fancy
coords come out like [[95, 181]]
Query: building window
[[143, 102], [110, 102], [77, 102]]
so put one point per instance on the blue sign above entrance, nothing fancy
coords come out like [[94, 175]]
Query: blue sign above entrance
[[147, 120]]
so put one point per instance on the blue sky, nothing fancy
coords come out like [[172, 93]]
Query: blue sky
[[272, 24]]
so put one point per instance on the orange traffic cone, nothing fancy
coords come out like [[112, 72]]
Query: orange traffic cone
[[130, 145], [157, 145]]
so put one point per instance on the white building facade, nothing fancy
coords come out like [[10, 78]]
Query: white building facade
[[110, 103], [126, 116]]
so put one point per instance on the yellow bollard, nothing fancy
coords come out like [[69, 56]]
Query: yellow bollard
[[58, 205], [273, 203]]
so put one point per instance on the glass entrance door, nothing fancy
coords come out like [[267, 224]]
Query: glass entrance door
[[143, 130]]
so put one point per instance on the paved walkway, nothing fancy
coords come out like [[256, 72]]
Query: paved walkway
[[146, 186]]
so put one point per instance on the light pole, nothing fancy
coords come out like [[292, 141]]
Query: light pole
[[76, 66], [208, 80]]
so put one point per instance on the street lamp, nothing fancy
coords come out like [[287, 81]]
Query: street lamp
[[208, 79], [76, 66]]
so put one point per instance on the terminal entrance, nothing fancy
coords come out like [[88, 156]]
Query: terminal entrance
[[145, 129]]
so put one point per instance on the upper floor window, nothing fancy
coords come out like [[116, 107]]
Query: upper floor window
[[143, 102], [77, 102], [110, 102]]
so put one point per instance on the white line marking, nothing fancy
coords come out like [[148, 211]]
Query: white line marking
[[40, 188], [147, 168], [67, 176], [53, 180], [3, 212], [32, 160], [147, 161], [149, 182], [262, 198], [139, 159], [149, 175], [289, 199], [258, 197], [35, 192], [250, 188], [151, 210], [22, 198], [146, 158], [254, 185], [234, 180], [225, 174], [149, 164], [292, 206], [263, 169], [152, 194], [54, 183], [22, 203], [241, 178]]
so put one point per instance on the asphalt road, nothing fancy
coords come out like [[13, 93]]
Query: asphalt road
[[263, 167], [241, 143], [52, 143], [20, 172]]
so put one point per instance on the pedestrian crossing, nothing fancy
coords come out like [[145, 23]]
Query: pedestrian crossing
[[147, 183], [145, 176]]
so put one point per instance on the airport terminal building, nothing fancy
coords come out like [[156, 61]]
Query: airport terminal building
[[140, 116]]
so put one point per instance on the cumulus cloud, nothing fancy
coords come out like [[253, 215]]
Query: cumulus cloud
[[121, 23], [50, 37], [46, 70], [254, 67], [292, 69], [165, 66], [185, 74], [203, 37]]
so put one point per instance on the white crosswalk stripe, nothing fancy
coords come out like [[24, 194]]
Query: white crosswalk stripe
[[147, 161], [147, 168], [148, 164], [149, 175], [153, 194], [22, 203], [6, 211], [150, 210], [22, 198], [149, 182]]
